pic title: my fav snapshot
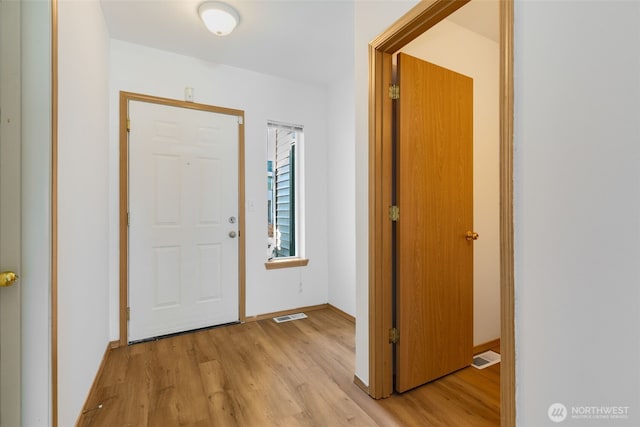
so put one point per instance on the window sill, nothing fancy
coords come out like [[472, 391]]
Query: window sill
[[286, 263]]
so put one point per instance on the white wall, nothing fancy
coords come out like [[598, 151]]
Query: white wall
[[577, 208], [139, 69], [36, 214], [459, 49], [83, 317], [341, 208], [341, 177]]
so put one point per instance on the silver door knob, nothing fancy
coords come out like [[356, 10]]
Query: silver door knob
[[232, 234]]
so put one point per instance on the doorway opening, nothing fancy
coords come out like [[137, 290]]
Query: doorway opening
[[414, 23]]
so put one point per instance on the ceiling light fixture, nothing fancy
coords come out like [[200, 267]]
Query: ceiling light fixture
[[219, 18]]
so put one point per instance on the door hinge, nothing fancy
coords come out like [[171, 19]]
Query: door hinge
[[394, 91], [128, 313], [394, 213], [394, 336], [128, 124], [240, 120], [128, 219]]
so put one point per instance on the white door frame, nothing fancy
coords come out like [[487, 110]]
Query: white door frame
[[125, 97], [10, 221]]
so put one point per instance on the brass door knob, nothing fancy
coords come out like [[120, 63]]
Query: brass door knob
[[471, 235], [7, 278]]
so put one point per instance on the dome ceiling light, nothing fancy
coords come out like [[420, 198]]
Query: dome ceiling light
[[218, 17]]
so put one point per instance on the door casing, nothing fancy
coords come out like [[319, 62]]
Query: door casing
[[418, 20], [125, 97]]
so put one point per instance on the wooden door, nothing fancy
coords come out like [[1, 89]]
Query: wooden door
[[434, 193], [183, 207], [10, 224]]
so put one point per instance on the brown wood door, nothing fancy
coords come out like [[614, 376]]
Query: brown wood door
[[434, 192]]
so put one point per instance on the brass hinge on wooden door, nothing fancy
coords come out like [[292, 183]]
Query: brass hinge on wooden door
[[128, 313], [394, 336], [394, 91], [394, 213]]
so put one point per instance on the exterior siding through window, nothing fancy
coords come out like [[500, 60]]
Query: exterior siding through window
[[285, 192]]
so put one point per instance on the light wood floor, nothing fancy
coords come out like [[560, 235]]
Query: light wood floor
[[297, 373]]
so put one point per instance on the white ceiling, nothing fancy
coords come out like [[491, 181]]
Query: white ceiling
[[304, 40], [480, 16]]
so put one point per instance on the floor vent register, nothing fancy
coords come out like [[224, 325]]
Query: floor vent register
[[289, 317], [486, 359]]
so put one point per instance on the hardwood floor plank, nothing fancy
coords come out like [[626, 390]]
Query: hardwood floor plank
[[265, 374], [222, 408]]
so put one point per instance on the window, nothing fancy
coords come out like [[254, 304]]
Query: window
[[284, 194]]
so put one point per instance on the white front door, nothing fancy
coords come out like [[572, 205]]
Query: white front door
[[10, 297], [183, 219]]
